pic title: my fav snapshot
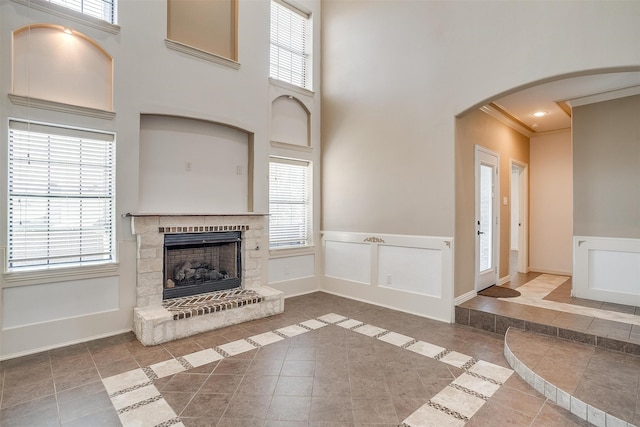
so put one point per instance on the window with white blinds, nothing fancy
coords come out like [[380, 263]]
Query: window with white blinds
[[101, 9], [61, 196], [289, 45], [289, 203]]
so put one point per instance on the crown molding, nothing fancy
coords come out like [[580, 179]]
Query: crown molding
[[604, 96], [499, 114]]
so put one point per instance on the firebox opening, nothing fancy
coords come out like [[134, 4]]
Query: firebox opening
[[196, 263]]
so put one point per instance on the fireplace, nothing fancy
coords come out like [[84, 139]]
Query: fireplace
[[197, 263], [241, 255]]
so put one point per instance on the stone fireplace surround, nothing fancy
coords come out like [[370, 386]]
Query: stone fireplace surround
[[153, 322]]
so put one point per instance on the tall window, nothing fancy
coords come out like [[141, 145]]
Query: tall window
[[101, 9], [61, 196], [289, 203], [289, 45]]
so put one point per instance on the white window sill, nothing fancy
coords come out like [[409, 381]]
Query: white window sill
[[291, 88], [59, 274], [44, 104], [202, 54], [71, 15]]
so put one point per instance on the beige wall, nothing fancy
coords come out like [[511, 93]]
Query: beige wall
[[207, 25], [551, 203], [396, 73], [482, 129], [606, 174]]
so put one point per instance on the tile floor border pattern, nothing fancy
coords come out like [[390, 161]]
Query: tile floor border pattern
[[138, 402], [533, 293], [555, 394]]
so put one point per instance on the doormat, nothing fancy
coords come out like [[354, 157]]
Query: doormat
[[499, 292]]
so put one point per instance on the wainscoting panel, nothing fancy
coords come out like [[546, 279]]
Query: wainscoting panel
[[22, 305], [416, 270], [607, 269], [282, 269], [347, 259], [408, 273]]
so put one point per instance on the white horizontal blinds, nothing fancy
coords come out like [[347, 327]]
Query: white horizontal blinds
[[101, 9], [288, 44], [289, 203], [61, 196]]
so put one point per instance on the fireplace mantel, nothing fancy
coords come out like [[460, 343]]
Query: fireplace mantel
[[165, 214]]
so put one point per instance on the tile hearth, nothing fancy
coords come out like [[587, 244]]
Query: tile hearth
[[198, 305]]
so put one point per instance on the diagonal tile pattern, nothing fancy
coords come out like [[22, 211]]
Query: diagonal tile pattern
[[318, 373], [140, 403]]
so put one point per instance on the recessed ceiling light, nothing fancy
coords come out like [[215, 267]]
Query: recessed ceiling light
[[540, 113]]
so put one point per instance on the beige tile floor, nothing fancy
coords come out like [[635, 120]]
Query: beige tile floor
[[331, 376]]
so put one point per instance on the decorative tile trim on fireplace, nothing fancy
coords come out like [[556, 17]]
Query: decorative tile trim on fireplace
[[153, 323]]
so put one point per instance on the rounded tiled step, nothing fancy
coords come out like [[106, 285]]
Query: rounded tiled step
[[598, 385]]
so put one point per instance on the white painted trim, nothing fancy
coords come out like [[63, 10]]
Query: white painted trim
[[26, 101], [506, 120], [64, 344], [585, 272], [71, 15], [605, 96], [523, 238], [478, 149], [202, 54], [299, 294], [556, 272], [391, 307], [503, 280], [434, 307], [465, 297]]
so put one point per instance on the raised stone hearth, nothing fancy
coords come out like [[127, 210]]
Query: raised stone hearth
[[157, 320]]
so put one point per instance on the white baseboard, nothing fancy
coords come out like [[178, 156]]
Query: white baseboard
[[503, 280], [299, 294], [465, 297], [390, 307], [546, 271]]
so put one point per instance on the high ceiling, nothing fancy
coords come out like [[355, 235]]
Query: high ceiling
[[557, 97]]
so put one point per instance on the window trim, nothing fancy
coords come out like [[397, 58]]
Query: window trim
[[86, 269], [72, 15], [301, 248]]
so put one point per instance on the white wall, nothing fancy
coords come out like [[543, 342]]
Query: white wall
[[551, 203], [149, 78]]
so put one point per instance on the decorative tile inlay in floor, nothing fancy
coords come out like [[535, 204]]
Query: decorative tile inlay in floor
[[139, 403], [533, 292]]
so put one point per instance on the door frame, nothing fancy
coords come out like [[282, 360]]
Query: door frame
[[478, 149], [523, 208]]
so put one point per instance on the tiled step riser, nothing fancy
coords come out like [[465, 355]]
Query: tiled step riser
[[500, 324]]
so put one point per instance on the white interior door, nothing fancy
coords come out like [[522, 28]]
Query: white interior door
[[487, 217], [520, 219]]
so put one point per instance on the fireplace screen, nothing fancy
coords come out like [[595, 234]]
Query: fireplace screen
[[196, 263]]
